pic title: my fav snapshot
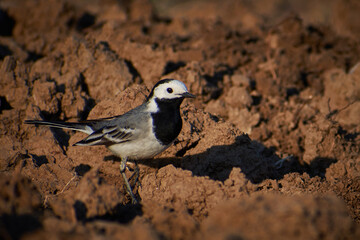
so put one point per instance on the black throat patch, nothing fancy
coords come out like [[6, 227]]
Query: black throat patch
[[167, 121]]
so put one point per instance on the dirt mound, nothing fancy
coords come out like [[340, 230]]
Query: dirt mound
[[270, 146]]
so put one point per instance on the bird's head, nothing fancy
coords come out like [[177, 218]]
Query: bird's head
[[169, 89]]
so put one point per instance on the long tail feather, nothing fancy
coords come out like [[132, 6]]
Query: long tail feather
[[65, 125]]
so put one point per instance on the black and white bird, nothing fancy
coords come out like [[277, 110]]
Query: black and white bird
[[142, 132]]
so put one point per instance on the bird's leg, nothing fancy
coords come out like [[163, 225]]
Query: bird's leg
[[127, 184], [135, 174]]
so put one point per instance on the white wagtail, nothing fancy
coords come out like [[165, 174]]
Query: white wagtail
[[142, 132]]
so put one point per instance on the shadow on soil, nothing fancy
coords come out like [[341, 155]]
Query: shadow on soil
[[120, 213], [256, 161], [14, 226]]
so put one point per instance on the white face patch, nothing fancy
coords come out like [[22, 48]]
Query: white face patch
[[167, 89], [170, 90]]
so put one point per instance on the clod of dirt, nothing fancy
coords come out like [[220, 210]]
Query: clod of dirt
[[281, 217], [94, 198], [342, 96], [18, 195]]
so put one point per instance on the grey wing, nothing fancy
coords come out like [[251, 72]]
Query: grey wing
[[109, 135], [118, 129]]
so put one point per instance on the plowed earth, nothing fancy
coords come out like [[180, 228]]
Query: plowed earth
[[269, 148]]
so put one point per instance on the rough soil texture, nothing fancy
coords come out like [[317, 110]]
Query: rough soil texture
[[269, 148]]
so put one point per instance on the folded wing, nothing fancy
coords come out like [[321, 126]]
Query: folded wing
[[108, 135]]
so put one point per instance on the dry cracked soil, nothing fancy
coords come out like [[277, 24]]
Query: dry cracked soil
[[269, 148]]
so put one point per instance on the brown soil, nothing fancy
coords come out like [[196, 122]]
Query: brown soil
[[269, 149]]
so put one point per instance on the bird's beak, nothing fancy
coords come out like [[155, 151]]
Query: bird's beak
[[188, 95]]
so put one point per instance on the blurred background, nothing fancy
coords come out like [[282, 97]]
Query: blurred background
[[342, 15]]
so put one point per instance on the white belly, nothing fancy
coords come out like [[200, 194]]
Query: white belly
[[139, 149]]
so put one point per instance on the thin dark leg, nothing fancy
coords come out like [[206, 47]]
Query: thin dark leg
[[127, 184], [136, 173]]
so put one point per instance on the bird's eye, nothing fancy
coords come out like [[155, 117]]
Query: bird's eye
[[169, 90]]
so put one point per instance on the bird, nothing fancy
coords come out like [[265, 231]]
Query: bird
[[141, 133]]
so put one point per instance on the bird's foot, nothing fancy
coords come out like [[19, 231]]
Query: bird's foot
[[278, 164]]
